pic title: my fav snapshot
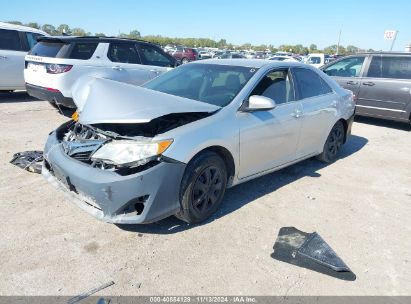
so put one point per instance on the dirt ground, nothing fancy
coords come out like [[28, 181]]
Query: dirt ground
[[361, 205]]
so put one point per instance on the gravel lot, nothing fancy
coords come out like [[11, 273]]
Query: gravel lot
[[361, 205]]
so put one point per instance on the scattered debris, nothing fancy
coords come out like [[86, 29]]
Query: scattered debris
[[28, 160], [309, 250], [89, 293]]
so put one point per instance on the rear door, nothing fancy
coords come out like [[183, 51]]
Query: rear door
[[125, 64], [386, 90], [319, 109], [347, 72], [155, 60], [12, 53]]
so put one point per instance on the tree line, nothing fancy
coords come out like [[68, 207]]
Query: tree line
[[196, 42]]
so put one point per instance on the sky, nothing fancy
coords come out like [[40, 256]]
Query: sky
[[362, 22]]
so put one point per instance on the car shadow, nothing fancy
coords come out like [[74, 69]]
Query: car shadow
[[13, 97], [383, 123], [240, 195]]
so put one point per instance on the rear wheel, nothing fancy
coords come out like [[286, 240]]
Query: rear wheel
[[202, 187], [333, 144], [184, 61]]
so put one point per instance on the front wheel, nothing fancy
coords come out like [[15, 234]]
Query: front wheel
[[333, 144], [202, 187], [184, 61]]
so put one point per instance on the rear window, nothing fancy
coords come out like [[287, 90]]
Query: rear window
[[390, 67], [83, 50], [10, 40], [50, 49]]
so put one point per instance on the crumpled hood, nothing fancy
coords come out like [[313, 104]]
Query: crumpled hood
[[101, 100]]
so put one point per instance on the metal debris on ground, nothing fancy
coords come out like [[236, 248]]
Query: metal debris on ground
[[309, 250], [28, 160], [89, 293]]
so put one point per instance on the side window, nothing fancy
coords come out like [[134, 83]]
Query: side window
[[32, 38], [83, 50], [348, 67], [276, 85], [398, 67], [123, 52], [10, 40], [153, 56], [309, 83]]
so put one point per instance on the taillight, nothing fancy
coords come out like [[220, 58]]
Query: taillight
[[53, 68]]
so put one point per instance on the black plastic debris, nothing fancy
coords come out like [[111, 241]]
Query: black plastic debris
[[28, 160], [310, 251]]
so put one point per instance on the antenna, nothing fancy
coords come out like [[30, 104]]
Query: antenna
[[393, 40]]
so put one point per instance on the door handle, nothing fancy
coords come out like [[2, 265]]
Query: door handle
[[368, 83], [3, 57], [117, 68], [352, 82], [334, 104], [155, 71]]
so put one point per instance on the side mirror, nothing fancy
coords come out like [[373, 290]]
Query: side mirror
[[259, 103]]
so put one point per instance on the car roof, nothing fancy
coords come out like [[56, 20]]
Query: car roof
[[249, 63], [382, 53], [21, 28], [90, 39]]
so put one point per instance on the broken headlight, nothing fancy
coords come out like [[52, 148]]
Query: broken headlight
[[124, 152]]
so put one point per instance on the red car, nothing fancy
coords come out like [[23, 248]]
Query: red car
[[184, 55]]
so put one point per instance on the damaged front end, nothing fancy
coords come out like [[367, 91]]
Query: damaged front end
[[116, 172], [108, 159]]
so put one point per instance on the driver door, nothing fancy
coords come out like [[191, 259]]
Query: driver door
[[269, 138]]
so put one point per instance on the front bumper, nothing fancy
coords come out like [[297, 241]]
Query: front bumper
[[51, 96], [109, 196]]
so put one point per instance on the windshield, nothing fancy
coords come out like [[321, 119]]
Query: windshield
[[211, 83]]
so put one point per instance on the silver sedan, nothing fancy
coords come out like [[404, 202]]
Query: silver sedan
[[172, 147]]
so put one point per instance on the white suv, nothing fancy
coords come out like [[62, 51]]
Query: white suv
[[15, 42], [57, 64]]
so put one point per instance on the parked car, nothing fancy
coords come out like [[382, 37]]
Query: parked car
[[15, 42], [139, 154], [204, 55], [284, 58], [56, 64], [316, 59], [250, 55], [231, 56], [283, 54], [259, 55], [185, 55], [380, 81]]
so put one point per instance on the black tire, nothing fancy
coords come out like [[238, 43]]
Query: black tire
[[334, 143], [202, 187], [184, 60]]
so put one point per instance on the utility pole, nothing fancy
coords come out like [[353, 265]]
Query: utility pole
[[339, 38], [393, 40]]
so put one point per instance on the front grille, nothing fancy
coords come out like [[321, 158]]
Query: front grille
[[82, 156]]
